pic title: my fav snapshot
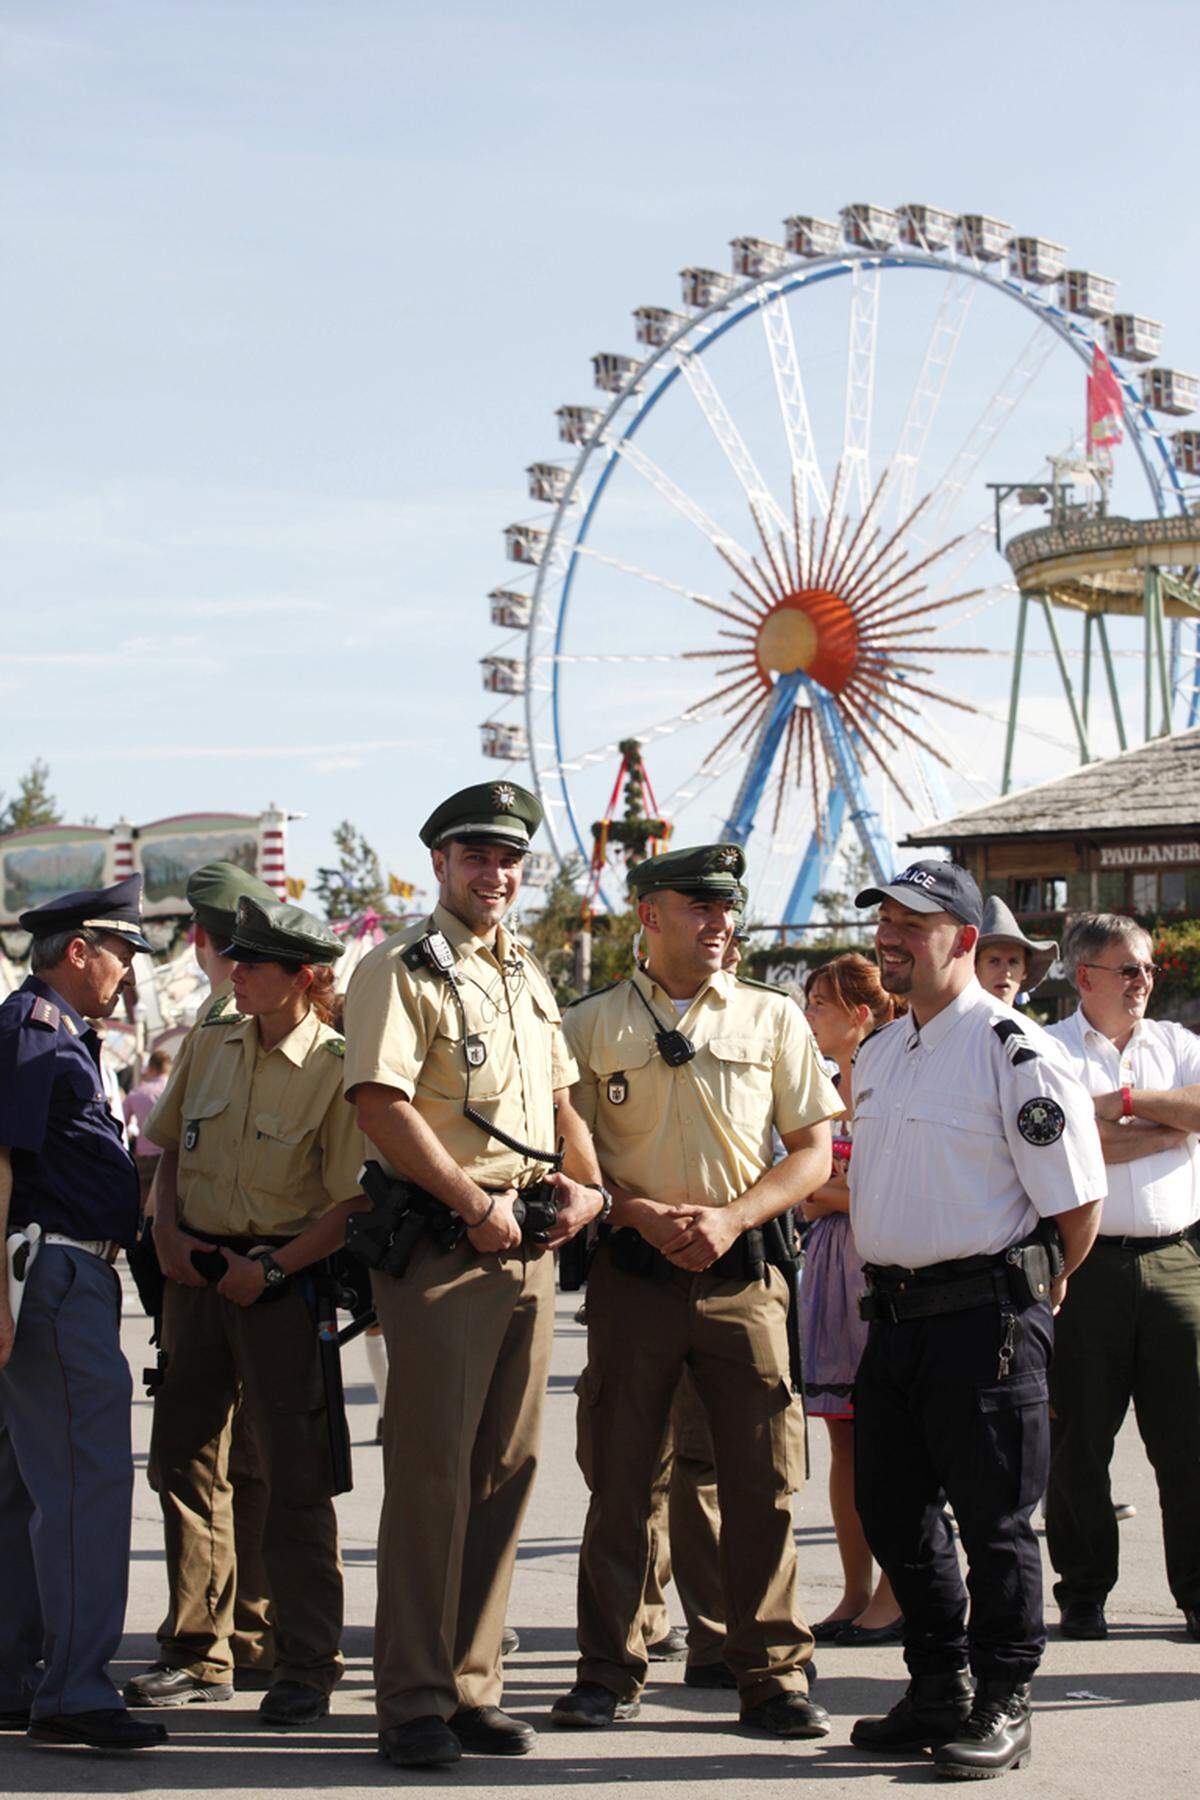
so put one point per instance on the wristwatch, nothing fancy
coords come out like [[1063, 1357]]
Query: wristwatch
[[273, 1275], [606, 1201]]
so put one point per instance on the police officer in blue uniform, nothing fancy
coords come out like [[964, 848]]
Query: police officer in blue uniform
[[66, 1465], [975, 1190]]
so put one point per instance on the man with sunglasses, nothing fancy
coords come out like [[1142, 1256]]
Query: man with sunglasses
[[1129, 1328]]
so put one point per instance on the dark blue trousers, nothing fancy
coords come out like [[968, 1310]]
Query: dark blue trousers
[[66, 1489], [933, 1420]]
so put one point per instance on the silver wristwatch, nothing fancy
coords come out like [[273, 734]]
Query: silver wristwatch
[[606, 1202]]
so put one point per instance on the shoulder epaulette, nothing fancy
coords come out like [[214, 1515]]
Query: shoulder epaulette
[[44, 1012], [336, 1046], [594, 993], [874, 1033], [222, 1012], [769, 987], [1017, 1046]]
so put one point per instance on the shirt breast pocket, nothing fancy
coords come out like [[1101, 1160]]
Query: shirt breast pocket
[[629, 1095], [484, 1051], [742, 1070], [204, 1126], [282, 1148]]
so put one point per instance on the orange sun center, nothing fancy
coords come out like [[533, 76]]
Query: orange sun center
[[813, 631]]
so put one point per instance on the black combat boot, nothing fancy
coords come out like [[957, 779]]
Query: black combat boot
[[934, 1708], [997, 1737]]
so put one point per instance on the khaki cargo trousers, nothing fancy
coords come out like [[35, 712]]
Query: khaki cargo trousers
[[468, 1341], [731, 1335], [265, 1357], [685, 1524]]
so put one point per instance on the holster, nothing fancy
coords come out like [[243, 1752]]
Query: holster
[[316, 1284]]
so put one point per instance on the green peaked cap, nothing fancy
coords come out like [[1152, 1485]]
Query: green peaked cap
[[492, 812], [275, 931], [213, 891], [709, 871]]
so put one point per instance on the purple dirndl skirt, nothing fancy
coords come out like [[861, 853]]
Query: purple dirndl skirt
[[834, 1335]]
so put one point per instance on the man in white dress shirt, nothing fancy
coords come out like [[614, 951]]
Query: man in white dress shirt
[[974, 1191], [1130, 1327]]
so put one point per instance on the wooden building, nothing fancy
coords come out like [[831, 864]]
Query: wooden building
[[1122, 835]]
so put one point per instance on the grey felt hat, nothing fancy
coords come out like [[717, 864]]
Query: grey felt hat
[[999, 926]]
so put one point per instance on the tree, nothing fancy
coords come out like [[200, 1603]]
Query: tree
[[33, 803], [357, 885], [554, 931]]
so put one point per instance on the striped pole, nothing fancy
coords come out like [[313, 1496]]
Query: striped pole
[[121, 850], [272, 852]]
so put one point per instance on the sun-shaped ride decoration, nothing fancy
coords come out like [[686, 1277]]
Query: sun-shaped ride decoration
[[836, 607]]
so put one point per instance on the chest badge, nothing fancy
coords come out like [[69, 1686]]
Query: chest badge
[[476, 1051], [617, 1089], [191, 1135], [1041, 1122]]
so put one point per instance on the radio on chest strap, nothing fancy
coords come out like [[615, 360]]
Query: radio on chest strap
[[433, 952]]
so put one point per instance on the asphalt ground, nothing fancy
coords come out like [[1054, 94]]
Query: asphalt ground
[[1114, 1718]]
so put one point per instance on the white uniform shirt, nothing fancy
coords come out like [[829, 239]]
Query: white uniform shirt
[[1154, 1195], [961, 1140]]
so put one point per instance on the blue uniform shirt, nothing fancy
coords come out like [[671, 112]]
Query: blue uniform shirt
[[71, 1171]]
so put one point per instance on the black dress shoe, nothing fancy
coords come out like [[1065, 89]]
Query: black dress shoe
[[860, 1637], [709, 1675], [490, 1732], [933, 1709], [1083, 1619], [996, 1738], [826, 1630], [671, 1648], [293, 1703], [590, 1705], [509, 1641], [110, 1729], [1191, 1621], [787, 1716], [423, 1743], [14, 1718]]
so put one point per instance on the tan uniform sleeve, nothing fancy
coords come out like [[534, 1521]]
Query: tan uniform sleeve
[[564, 1070], [389, 1025], [585, 1086], [343, 1151], [167, 1114], [804, 1094]]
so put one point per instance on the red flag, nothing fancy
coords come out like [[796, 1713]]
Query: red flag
[[1104, 407]]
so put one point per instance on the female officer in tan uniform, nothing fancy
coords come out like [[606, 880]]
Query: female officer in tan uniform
[[260, 1164]]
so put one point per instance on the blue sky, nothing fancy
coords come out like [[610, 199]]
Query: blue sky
[[292, 292]]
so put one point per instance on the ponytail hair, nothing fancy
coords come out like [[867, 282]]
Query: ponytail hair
[[321, 997], [853, 980]]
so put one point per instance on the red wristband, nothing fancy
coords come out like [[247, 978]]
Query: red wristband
[[1126, 1103]]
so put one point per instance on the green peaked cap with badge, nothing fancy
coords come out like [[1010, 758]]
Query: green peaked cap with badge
[[213, 892], [491, 812], [274, 931], [707, 872]]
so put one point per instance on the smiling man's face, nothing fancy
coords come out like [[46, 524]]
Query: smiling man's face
[[478, 882]]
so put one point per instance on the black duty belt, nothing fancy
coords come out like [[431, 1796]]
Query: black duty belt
[[1011, 1278], [1146, 1243], [745, 1259], [241, 1246]]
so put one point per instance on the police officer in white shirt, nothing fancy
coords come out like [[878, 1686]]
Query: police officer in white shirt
[[975, 1189], [1130, 1327]]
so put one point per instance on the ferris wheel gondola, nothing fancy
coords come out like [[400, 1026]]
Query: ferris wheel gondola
[[775, 624]]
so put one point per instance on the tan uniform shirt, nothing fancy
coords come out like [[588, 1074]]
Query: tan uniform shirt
[[266, 1143], [404, 1030], [699, 1134]]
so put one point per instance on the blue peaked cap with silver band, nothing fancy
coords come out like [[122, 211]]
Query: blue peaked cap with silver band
[[117, 909]]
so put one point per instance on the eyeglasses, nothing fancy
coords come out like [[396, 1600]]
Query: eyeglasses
[[1127, 971]]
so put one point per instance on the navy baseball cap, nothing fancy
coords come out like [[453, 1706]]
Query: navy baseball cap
[[931, 887]]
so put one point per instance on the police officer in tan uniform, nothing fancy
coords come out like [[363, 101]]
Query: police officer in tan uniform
[[259, 1173], [209, 1559], [456, 1063], [684, 1071]]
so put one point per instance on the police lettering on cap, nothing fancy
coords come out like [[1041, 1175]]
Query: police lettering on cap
[[117, 909], [929, 887], [703, 871], [213, 892], [491, 812], [275, 931]]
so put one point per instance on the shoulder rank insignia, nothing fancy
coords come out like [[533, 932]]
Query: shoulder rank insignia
[[336, 1046], [1017, 1046], [44, 1012], [1041, 1121], [594, 993], [222, 1012]]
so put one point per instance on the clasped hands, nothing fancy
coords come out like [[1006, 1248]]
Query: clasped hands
[[690, 1237]]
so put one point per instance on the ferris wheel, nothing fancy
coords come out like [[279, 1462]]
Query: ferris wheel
[[774, 562]]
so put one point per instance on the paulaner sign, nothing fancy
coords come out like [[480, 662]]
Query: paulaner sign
[[1132, 856]]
